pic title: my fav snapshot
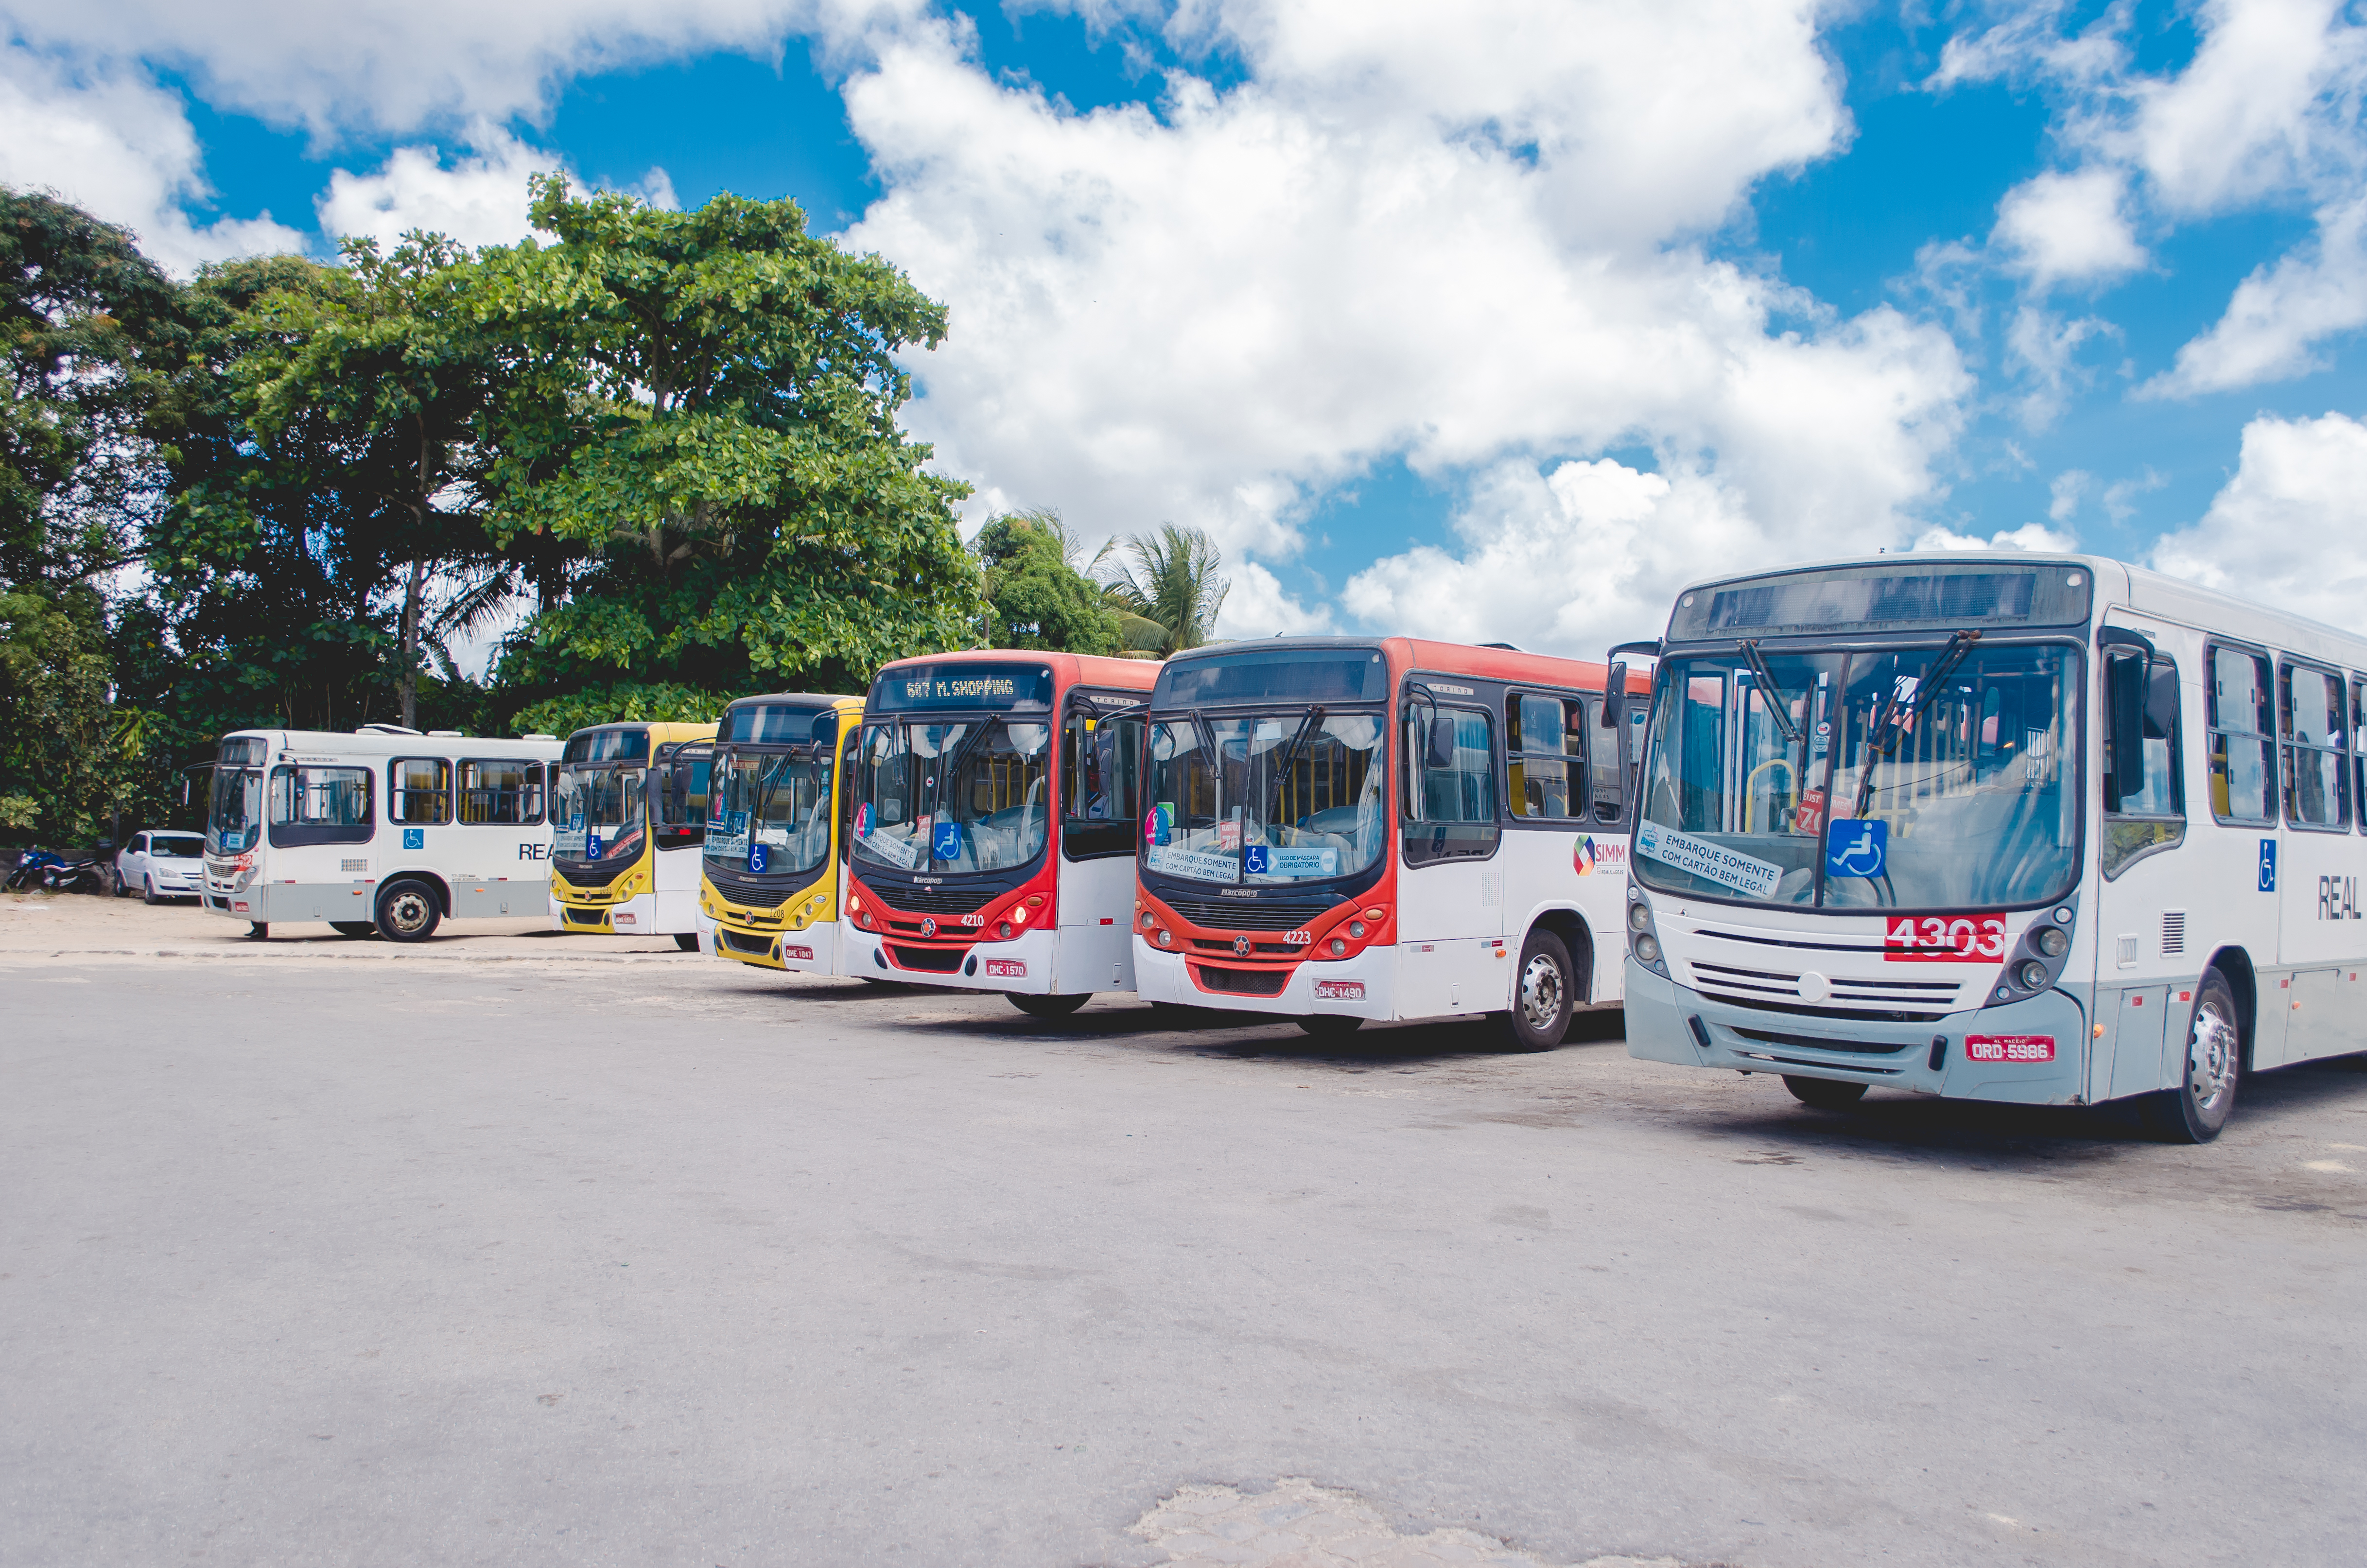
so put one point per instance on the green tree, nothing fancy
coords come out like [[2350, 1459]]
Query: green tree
[[1036, 595], [1171, 584], [706, 416], [89, 331]]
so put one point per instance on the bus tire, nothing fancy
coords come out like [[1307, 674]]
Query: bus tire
[[407, 911], [1047, 1006], [1331, 1025], [687, 940], [1543, 988], [2206, 1096], [257, 931], [353, 928], [1824, 1094]]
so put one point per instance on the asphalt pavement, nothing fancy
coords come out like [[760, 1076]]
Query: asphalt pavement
[[312, 1253]]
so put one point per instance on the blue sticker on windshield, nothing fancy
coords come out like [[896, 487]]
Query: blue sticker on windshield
[[757, 854], [592, 847], [1857, 848], [945, 842], [577, 824], [414, 838], [1257, 861], [2268, 865]]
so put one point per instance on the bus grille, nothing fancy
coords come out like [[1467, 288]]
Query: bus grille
[[940, 901], [934, 961], [1819, 1042], [586, 917], [1905, 1001], [1243, 982], [742, 942], [748, 891], [1250, 914], [590, 880]]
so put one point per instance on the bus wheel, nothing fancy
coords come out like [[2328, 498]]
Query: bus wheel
[[353, 928], [407, 912], [1541, 996], [1048, 1007], [687, 940], [1824, 1094], [2195, 1111], [257, 930], [1331, 1025]]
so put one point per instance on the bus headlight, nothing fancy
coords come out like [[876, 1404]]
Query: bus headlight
[[1004, 931], [2031, 975], [1338, 946], [1355, 927], [1166, 938], [1639, 917], [1643, 935], [2052, 940], [1648, 948]]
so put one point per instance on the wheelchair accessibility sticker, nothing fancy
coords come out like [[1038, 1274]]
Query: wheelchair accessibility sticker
[[414, 838], [946, 843], [756, 859], [1857, 848]]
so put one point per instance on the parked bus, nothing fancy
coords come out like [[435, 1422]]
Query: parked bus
[[383, 831], [628, 810], [773, 853], [1339, 830], [1923, 824], [993, 799]]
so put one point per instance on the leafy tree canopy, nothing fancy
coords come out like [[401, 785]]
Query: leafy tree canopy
[[706, 413], [1035, 598]]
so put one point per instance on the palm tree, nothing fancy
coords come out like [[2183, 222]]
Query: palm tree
[[1170, 592]]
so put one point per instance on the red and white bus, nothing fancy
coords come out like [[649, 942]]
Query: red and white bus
[[1339, 830], [991, 843]]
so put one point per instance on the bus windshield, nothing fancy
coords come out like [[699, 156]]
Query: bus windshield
[[1926, 778], [234, 824], [770, 812], [1265, 798], [967, 796], [595, 812]]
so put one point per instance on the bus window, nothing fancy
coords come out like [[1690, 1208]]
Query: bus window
[[418, 791], [2317, 791], [2243, 754], [1100, 784], [1545, 739], [2359, 746], [1450, 803], [319, 806], [501, 791], [2154, 816]]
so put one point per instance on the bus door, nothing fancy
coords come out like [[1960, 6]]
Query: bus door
[[1101, 791], [1450, 898], [2144, 972]]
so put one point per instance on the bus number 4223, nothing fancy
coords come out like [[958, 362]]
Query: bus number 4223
[[1944, 939]]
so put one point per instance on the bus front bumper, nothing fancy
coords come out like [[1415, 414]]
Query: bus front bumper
[[813, 951], [1362, 986], [1026, 963], [636, 917], [1667, 1022]]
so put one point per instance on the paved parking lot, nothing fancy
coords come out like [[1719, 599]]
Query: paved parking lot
[[500, 1251]]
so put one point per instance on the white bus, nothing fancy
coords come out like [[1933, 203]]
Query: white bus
[[1339, 830], [384, 830], [2050, 830]]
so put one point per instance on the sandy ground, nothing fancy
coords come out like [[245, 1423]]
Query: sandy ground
[[84, 926]]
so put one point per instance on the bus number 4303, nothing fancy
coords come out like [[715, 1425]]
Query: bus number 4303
[[1944, 939]]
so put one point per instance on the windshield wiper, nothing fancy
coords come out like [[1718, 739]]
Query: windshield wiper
[[1287, 755], [1897, 723], [1778, 701], [766, 782]]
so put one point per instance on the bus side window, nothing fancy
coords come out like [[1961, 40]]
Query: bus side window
[[1450, 803], [2243, 744], [2317, 783], [420, 790], [1101, 759], [1546, 745], [2359, 747], [2152, 817]]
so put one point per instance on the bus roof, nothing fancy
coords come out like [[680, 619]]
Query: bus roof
[[819, 699], [661, 731], [1405, 654], [1068, 669], [383, 742], [2118, 584]]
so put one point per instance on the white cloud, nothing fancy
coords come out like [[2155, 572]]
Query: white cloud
[[1256, 605], [2069, 227], [2281, 313], [1466, 246], [479, 199], [2063, 495], [389, 66], [2030, 536], [2043, 350], [119, 147], [2289, 529]]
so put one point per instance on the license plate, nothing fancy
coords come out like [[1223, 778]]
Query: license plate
[[2009, 1047], [1339, 991], [1006, 968], [791, 952]]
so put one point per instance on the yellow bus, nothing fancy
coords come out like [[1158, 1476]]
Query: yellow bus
[[628, 813], [772, 860]]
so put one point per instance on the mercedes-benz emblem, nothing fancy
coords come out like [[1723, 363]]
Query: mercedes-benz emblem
[[929, 926], [1241, 947]]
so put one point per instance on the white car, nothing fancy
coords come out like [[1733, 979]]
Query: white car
[[161, 865]]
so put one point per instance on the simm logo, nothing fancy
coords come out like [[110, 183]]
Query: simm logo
[[2337, 898]]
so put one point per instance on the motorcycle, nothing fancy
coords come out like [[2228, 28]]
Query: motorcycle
[[29, 866], [74, 876]]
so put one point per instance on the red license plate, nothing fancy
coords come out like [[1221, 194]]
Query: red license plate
[[1944, 939], [2009, 1047], [1006, 968], [1339, 991], [791, 952]]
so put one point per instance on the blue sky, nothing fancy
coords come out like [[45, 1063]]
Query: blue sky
[[1504, 328]]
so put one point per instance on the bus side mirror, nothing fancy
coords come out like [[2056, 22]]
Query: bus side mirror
[[824, 736], [1614, 697], [1440, 750], [2126, 677]]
